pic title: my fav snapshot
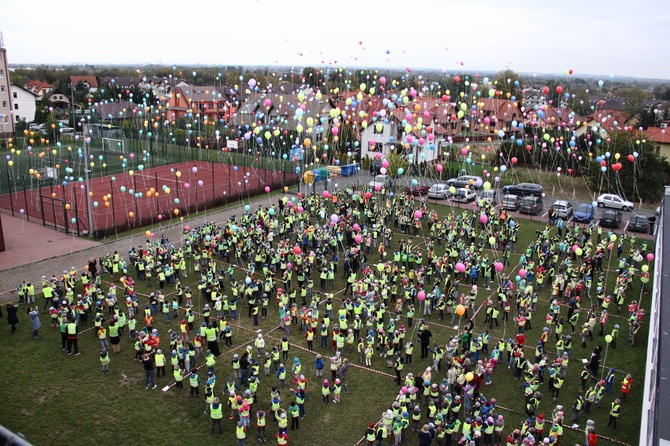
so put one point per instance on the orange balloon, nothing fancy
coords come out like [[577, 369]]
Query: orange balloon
[[176, 212], [131, 214], [460, 310], [106, 204], [67, 207]]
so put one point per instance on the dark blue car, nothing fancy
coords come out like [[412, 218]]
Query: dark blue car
[[584, 213]]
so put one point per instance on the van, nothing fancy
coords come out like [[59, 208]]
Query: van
[[531, 205], [489, 196]]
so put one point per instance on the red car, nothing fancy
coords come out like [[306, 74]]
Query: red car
[[421, 189]]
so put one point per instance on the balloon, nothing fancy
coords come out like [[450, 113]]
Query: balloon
[[484, 219], [469, 376], [613, 238], [334, 218], [579, 252], [131, 214], [148, 233], [439, 167], [194, 169], [650, 257], [380, 267], [645, 268], [492, 241], [499, 266], [460, 310], [460, 267], [297, 250], [421, 295], [417, 214], [247, 208], [358, 238], [608, 338], [267, 189], [522, 273]]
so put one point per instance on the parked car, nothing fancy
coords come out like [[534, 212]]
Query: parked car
[[511, 202], [611, 219], [563, 209], [584, 213], [531, 205], [464, 180], [489, 196], [639, 223], [614, 201], [525, 189], [375, 167], [439, 191], [464, 195], [379, 181], [421, 189]]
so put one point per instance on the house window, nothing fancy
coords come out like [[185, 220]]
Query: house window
[[14, 95], [379, 131], [2, 89], [18, 118], [4, 104], [378, 147], [2, 74], [16, 106]]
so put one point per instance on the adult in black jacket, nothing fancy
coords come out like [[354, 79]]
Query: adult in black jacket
[[424, 336]]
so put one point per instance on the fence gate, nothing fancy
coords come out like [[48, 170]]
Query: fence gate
[[55, 215]]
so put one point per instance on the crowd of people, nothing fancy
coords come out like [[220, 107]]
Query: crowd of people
[[406, 269]]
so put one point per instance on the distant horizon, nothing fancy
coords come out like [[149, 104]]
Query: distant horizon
[[603, 77]]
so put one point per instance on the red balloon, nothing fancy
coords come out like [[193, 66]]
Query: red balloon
[[545, 90], [457, 79], [528, 147], [514, 160], [570, 71], [631, 158], [559, 89], [297, 250]]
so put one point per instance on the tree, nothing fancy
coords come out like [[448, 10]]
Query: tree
[[508, 82], [635, 98], [313, 77]]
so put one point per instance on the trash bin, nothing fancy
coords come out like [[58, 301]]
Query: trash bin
[[317, 175], [652, 222], [323, 172], [308, 178], [349, 169]]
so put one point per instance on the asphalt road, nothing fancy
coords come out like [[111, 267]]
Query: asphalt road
[[362, 178]]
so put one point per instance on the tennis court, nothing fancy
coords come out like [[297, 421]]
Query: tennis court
[[136, 198]]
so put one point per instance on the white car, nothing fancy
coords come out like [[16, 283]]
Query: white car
[[378, 182], [464, 195], [614, 201], [439, 191]]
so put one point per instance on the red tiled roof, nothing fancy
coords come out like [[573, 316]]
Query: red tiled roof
[[92, 81]]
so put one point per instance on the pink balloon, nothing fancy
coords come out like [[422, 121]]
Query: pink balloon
[[378, 156], [378, 187], [267, 189], [326, 194], [417, 214], [267, 102], [650, 257], [186, 185], [460, 267], [574, 248], [421, 296], [484, 219], [385, 164], [131, 156], [335, 130], [356, 227], [464, 151], [200, 183], [358, 239], [499, 266], [186, 228], [439, 167], [382, 80], [522, 273]]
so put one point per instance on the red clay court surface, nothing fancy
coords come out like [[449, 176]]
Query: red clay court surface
[[199, 186]]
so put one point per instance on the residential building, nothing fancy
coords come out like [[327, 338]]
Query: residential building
[[57, 99], [40, 88], [209, 101], [23, 104], [91, 82], [6, 121]]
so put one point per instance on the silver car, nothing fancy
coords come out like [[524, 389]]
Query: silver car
[[563, 208]]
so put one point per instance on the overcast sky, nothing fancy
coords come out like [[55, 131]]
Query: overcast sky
[[615, 37]]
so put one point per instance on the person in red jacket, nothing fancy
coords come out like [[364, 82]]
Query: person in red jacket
[[625, 387]]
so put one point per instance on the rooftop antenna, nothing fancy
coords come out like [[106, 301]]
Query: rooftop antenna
[[2, 42]]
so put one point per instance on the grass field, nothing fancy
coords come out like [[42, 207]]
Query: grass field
[[50, 395]]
